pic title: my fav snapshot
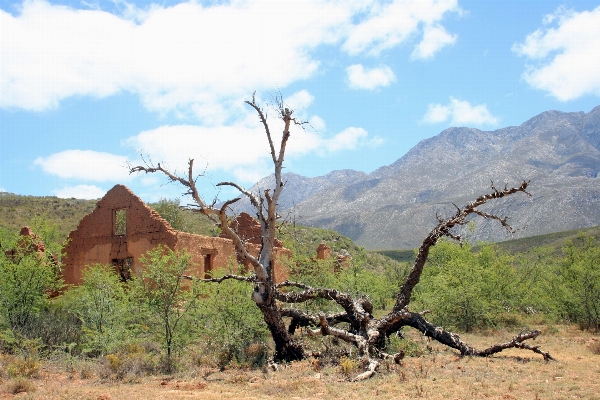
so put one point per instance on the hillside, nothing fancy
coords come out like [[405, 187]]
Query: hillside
[[554, 240], [395, 206], [17, 211]]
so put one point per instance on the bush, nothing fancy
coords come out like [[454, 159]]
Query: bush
[[26, 279], [101, 305], [25, 361], [164, 300], [20, 385], [465, 289], [348, 365], [131, 362], [409, 347], [576, 287], [231, 325]]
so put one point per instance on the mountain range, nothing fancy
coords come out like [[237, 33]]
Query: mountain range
[[395, 206]]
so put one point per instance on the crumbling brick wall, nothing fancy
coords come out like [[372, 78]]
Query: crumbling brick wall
[[249, 231], [99, 238], [95, 241], [28, 242]]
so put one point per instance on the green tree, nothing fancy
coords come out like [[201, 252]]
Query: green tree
[[577, 288], [465, 289], [172, 213], [230, 323], [101, 304], [27, 277], [184, 220], [160, 290]]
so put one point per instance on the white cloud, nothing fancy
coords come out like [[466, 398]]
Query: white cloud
[[346, 139], [459, 112], [85, 164], [388, 25], [437, 113], [435, 37], [240, 149], [2, 189], [193, 59], [88, 192], [252, 175], [317, 123], [299, 100], [173, 58], [223, 147], [150, 180], [566, 57], [370, 79]]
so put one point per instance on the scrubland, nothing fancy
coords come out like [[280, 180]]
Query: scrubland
[[436, 373]]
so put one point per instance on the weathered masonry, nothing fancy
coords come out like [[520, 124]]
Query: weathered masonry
[[122, 228]]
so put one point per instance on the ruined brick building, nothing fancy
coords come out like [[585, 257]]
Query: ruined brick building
[[122, 228], [28, 242]]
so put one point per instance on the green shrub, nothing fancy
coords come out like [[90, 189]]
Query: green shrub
[[410, 348], [131, 362], [26, 279], [576, 286], [102, 305], [231, 326], [163, 302], [466, 290]]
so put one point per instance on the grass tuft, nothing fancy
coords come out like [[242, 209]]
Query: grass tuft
[[594, 346], [20, 385]]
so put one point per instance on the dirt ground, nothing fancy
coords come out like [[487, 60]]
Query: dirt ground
[[440, 374]]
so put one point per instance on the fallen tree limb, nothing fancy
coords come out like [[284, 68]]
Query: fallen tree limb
[[249, 278], [453, 340]]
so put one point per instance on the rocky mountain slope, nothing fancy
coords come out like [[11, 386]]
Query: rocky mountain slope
[[396, 205]]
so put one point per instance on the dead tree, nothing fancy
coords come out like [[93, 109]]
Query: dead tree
[[362, 330], [265, 292]]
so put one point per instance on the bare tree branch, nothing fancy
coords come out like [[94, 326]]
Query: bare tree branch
[[250, 278], [444, 229]]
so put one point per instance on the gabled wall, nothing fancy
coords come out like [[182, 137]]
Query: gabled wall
[[96, 241]]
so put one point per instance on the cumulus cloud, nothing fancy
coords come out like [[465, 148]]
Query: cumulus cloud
[[88, 192], [87, 165], [565, 54], [370, 79], [193, 59], [235, 148], [239, 148], [299, 100], [174, 58], [317, 123], [390, 24], [435, 37], [222, 147], [459, 112]]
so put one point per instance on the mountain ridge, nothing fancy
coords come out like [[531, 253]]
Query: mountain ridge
[[395, 206]]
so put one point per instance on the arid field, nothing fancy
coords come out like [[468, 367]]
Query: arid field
[[438, 374]]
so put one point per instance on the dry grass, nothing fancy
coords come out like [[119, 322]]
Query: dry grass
[[19, 385], [441, 374]]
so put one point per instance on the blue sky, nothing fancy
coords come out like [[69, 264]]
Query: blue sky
[[85, 86]]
